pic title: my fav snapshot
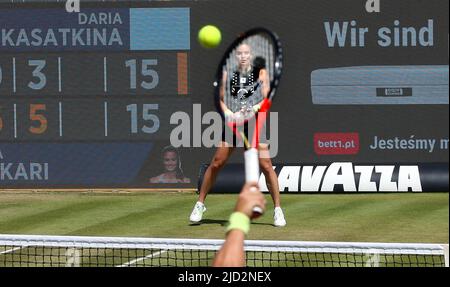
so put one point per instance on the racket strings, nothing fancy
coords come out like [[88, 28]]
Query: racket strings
[[263, 48]]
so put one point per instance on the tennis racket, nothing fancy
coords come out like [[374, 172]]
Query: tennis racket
[[247, 80]]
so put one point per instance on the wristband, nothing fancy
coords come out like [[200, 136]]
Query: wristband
[[239, 220]]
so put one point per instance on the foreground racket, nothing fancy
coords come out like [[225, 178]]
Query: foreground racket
[[247, 80]]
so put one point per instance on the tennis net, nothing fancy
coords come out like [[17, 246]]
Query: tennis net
[[76, 251]]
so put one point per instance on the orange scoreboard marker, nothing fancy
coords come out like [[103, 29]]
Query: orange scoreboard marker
[[182, 60]]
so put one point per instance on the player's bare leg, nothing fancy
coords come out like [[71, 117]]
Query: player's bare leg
[[223, 152], [220, 158], [265, 163]]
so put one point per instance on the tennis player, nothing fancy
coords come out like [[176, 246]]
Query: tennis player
[[245, 82]]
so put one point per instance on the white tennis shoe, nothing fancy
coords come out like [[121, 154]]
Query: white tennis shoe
[[197, 212], [278, 217]]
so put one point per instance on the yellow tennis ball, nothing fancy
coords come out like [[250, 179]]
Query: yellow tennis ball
[[209, 36]]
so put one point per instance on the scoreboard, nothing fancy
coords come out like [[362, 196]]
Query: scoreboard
[[85, 97], [97, 75]]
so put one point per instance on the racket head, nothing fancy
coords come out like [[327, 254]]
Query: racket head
[[248, 76], [246, 82]]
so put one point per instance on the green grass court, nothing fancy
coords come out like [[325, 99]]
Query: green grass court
[[387, 218], [390, 218]]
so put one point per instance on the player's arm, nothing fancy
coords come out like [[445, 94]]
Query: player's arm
[[223, 106], [265, 87], [232, 253], [265, 82]]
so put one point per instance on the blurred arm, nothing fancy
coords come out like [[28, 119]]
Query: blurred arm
[[232, 253], [223, 106]]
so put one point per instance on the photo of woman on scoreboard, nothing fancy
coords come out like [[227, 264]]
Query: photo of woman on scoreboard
[[173, 172]]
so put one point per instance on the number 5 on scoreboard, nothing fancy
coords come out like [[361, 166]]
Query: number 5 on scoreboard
[[41, 119]]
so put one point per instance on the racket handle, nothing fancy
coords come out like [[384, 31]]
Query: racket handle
[[251, 165], [252, 173]]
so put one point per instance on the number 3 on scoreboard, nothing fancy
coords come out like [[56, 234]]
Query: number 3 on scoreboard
[[37, 73]]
